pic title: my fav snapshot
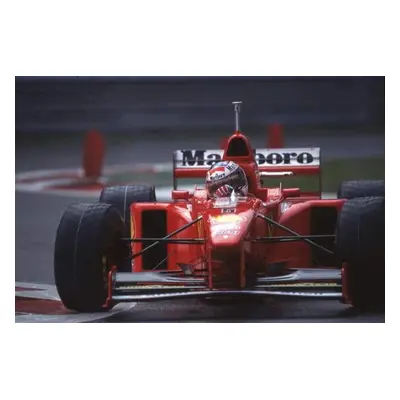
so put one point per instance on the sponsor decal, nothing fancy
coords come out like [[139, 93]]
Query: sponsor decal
[[274, 192], [218, 227], [231, 166], [214, 176], [198, 158], [223, 202], [226, 232], [228, 210], [226, 224], [285, 158], [220, 171], [306, 294], [160, 295], [155, 287], [226, 219], [305, 284], [263, 157]]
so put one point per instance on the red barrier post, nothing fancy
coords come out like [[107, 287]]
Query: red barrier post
[[275, 136], [93, 155]]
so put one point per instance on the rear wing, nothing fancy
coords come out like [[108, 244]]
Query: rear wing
[[273, 162]]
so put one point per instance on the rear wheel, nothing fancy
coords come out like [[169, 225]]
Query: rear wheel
[[363, 188], [360, 244], [121, 197], [88, 244]]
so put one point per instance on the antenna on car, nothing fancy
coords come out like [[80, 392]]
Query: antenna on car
[[236, 107]]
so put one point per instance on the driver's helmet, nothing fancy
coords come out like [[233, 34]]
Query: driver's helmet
[[225, 177]]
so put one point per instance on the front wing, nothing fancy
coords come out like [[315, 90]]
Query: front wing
[[152, 286]]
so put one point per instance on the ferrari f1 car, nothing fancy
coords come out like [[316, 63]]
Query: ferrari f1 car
[[275, 241]]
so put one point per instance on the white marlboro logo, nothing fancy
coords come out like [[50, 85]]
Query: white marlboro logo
[[264, 157], [197, 158]]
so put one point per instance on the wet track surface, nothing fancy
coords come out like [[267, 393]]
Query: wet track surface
[[37, 217], [267, 311]]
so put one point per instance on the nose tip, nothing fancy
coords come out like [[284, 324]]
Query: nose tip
[[228, 236]]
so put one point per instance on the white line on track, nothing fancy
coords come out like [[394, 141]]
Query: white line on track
[[76, 174], [43, 291]]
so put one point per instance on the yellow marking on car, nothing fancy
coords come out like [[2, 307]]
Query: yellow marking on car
[[132, 227], [303, 284], [226, 218], [154, 287]]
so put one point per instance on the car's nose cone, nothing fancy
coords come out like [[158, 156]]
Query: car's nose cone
[[229, 229]]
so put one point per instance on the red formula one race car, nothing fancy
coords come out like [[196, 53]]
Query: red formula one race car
[[269, 241]]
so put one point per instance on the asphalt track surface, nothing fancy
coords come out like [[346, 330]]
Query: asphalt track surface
[[37, 217]]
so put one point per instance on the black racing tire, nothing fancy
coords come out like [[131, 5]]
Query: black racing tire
[[88, 243], [360, 243], [363, 188], [122, 197]]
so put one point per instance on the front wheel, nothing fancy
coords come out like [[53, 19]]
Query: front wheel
[[88, 244], [362, 188], [360, 245]]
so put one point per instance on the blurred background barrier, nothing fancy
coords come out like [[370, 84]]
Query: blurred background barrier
[[59, 105], [144, 119]]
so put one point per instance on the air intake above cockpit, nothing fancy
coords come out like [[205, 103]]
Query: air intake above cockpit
[[237, 147]]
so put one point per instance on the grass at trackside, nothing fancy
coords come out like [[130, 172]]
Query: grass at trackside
[[333, 172], [336, 171]]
